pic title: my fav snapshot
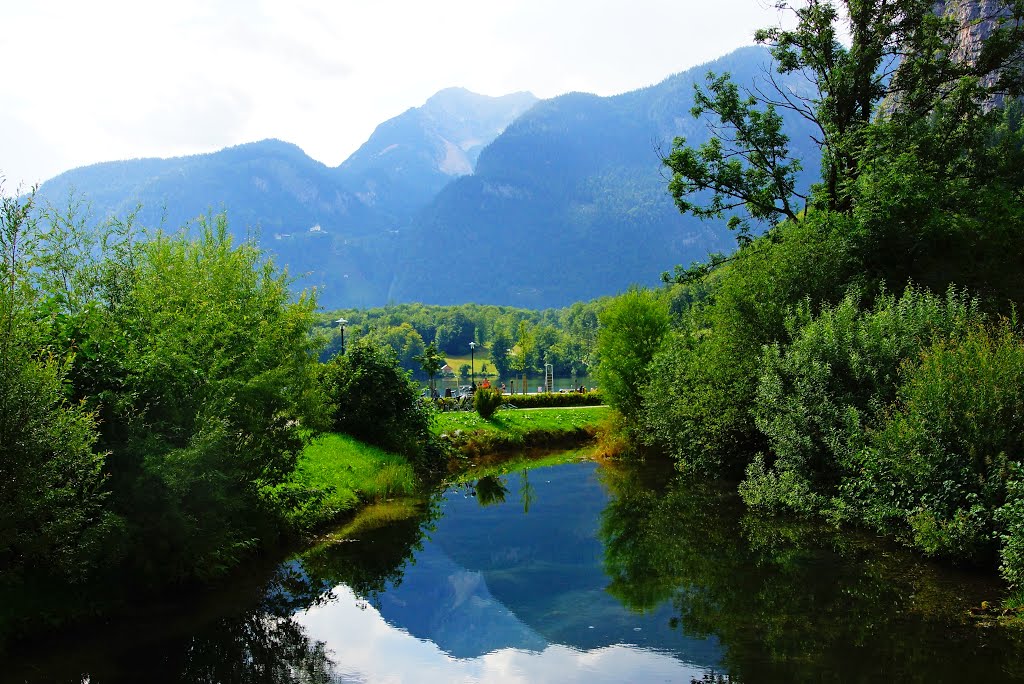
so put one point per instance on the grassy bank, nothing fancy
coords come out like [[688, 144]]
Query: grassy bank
[[518, 429], [347, 473]]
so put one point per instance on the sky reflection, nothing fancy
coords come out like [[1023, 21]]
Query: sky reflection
[[365, 648]]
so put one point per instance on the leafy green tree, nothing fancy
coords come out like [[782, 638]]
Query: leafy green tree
[[54, 521], [431, 362], [632, 329], [499, 347], [374, 400], [454, 333], [749, 167], [899, 53], [407, 343], [703, 382], [219, 376]]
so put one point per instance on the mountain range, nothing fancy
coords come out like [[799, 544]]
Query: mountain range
[[508, 200]]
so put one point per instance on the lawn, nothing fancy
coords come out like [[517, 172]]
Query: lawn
[[456, 362], [522, 421]]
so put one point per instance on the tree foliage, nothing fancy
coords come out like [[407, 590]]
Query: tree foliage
[[54, 519], [632, 329], [900, 56], [374, 400], [793, 364]]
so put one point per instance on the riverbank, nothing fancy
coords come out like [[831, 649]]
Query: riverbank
[[510, 430], [347, 476]]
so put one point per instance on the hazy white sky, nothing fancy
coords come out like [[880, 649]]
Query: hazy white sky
[[114, 79]]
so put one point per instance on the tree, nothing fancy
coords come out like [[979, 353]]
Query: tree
[[407, 343], [374, 400], [53, 514], [900, 53], [431, 362], [454, 333], [206, 369], [632, 328], [499, 346]]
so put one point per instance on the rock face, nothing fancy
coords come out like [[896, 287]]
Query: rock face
[[977, 20]]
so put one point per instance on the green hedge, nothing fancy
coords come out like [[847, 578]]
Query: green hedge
[[541, 400], [554, 399]]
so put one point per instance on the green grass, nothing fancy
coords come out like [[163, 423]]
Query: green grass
[[349, 473], [516, 429], [457, 361]]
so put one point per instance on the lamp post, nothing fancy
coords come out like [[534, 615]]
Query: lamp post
[[472, 361], [342, 322]]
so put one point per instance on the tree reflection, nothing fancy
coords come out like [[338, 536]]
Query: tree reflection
[[490, 490], [789, 600], [257, 649], [266, 645]]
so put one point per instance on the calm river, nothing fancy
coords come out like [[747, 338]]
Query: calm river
[[567, 573]]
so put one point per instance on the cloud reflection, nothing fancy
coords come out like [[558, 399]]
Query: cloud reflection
[[366, 648]]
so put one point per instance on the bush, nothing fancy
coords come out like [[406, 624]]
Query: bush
[[631, 330], [486, 401], [942, 466], [373, 399], [555, 399], [817, 396], [703, 381], [203, 365]]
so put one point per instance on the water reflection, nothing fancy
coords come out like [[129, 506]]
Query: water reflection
[[568, 573], [792, 601], [376, 650]]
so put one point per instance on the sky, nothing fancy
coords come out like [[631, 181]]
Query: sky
[[85, 82]]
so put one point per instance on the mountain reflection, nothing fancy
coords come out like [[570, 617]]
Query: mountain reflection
[[576, 572]]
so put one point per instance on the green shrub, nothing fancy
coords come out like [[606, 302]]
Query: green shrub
[[939, 467], [1011, 518], [817, 396], [703, 381], [374, 399], [555, 399], [631, 330], [486, 401]]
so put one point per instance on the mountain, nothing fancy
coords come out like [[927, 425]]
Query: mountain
[[571, 201], [335, 228], [505, 200], [409, 158]]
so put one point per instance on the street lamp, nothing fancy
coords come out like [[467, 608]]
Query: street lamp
[[342, 322], [472, 362]]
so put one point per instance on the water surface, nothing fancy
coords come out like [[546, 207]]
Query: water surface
[[575, 572]]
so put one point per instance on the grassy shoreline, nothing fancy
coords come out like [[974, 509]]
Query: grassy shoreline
[[351, 477], [507, 430]]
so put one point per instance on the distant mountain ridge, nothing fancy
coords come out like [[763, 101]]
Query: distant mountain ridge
[[409, 158], [570, 202], [332, 227], [566, 199]]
